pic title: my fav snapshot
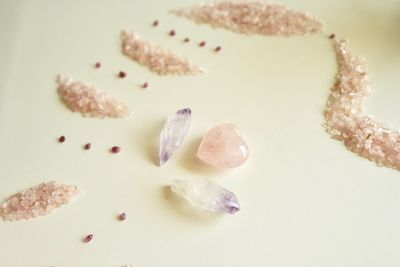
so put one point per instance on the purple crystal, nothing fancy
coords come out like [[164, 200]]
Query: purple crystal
[[174, 132], [206, 194]]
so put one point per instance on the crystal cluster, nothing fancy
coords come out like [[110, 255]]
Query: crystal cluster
[[207, 195], [345, 116], [223, 147], [174, 132], [37, 201], [157, 59], [253, 17], [86, 99]]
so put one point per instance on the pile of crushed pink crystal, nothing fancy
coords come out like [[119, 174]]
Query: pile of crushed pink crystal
[[86, 99], [156, 58], [346, 118], [253, 17], [37, 201]]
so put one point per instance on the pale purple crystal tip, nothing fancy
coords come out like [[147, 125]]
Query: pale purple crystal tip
[[174, 132], [207, 195]]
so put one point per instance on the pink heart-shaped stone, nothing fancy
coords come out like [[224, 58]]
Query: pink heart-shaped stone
[[223, 147]]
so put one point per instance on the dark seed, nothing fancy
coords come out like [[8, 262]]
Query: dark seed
[[115, 149], [172, 33], [155, 23], [87, 146], [61, 139], [145, 85], [122, 74], [332, 36], [97, 65], [202, 43], [88, 238], [217, 49], [122, 216], [186, 40]]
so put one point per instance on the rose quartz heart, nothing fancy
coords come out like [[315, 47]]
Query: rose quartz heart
[[223, 147]]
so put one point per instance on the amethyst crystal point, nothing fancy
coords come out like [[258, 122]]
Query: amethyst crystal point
[[173, 133], [207, 195]]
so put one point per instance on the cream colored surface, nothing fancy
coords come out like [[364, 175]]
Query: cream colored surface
[[306, 201]]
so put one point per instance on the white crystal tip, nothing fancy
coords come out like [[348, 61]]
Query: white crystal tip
[[207, 195]]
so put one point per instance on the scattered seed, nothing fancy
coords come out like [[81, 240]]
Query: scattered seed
[[122, 216], [122, 74], [61, 139], [332, 36], [217, 49], [87, 146], [155, 23], [172, 33], [186, 40], [97, 65], [202, 43], [115, 149], [145, 85], [88, 238]]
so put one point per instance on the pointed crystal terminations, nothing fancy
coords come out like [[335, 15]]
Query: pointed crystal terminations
[[223, 147], [174, 132], [207, 195]]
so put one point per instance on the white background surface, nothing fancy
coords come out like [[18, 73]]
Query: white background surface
[[306, 201]]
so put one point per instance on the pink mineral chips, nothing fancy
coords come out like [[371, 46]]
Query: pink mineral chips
[[223, 147], [37, 201]]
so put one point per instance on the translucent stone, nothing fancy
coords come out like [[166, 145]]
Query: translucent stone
[[174, 132], [223, 147], [207, 195]]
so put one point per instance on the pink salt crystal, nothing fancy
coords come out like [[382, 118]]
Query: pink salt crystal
[[86, 99], [223, 147], [156, 58], [37, 201], [346, 118], [253, 17]]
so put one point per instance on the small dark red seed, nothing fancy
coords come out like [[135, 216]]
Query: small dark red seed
[[172, 33], [97, 65], [122, 216], [217, 49], [155, 23], [122, 74], [87, 146], [145, 85], [202, 43], [115, 149], [186, 40], [88, 238], [332, 36], [61, 139]]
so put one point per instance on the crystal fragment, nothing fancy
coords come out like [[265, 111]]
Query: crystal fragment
[[37, 201], [253, 17], [207, 195], [173, 133], [223, 147]]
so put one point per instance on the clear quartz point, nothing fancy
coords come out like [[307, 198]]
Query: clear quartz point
[[207, 195], [174, 132]]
